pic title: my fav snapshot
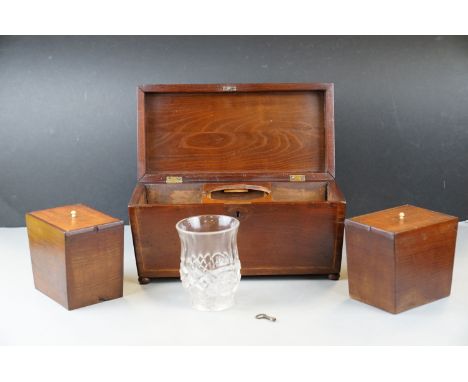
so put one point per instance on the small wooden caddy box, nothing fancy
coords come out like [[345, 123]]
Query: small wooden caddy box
[[76, 254], [401, 257], [263, 153]]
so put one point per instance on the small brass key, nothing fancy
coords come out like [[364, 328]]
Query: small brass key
[[265, 316]]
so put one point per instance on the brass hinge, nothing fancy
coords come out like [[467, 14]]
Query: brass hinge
[[297, 178], [229, 88], [174, 179]]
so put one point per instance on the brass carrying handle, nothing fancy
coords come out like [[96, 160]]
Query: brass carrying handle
[[234, 188]]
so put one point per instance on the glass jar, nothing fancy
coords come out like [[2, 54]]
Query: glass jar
[[209, 260]]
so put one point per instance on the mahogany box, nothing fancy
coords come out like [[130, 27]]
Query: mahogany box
[[264, 153], [401, 257], [76, 254]]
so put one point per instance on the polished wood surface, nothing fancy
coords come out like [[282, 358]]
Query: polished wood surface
[[414, 217], [76, 263], [235, 132], [397, 265], [95, 266], [47, 248], [86, 217], [236, 148], [425, 264], [264, 131], [275, 238]]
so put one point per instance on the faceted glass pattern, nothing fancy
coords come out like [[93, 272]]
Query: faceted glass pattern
[[209, 260]]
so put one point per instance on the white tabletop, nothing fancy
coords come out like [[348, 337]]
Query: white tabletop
[[309, 311]]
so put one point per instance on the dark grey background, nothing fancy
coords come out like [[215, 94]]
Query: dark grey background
[[68, 112]]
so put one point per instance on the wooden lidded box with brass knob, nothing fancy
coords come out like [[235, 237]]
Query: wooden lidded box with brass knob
[[76, 254], [401, 257]]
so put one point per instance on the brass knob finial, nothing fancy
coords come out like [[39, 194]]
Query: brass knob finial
[[73, 213]]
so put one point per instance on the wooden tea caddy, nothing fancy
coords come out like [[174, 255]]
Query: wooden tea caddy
[[76, 254], [401, 257], [264, 153]]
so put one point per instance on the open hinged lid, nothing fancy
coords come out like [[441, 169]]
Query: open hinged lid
[[271, 132]]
